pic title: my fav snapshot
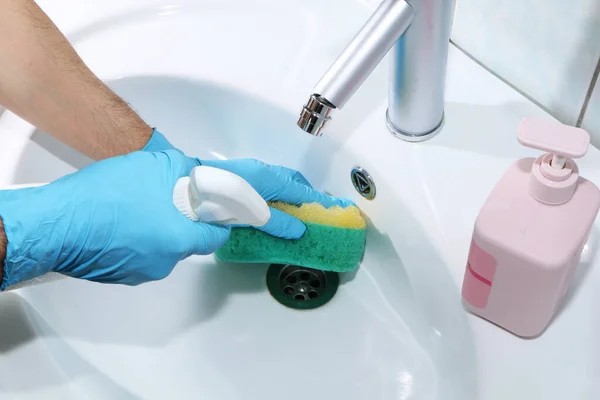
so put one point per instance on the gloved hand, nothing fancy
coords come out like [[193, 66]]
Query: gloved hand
[[272, 183], [278, 184], [111, 222], [115, 222]]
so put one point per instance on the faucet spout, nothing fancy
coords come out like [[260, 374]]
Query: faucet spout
[[417, 32]]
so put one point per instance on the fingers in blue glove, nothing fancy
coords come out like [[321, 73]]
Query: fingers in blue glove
[[238, 165], [283, 184], [297, 193], [283, 225], [208, 237], [294, 175]]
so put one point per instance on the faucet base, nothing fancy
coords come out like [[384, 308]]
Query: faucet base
[[411, 137]]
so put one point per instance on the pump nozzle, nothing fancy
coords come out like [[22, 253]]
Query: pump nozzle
[[558, 162]]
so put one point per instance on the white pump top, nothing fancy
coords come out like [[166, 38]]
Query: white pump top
[[214, 195]]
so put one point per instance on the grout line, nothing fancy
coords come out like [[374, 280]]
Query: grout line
[[501, 78], [589, 93]]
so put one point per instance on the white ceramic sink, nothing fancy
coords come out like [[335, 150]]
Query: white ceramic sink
[[227, 79]]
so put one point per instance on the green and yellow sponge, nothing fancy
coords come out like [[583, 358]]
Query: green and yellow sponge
[[334, 240]]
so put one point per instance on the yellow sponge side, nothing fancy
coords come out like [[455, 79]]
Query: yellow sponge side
[[336, 216]]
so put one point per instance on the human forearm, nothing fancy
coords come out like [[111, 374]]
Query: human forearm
[[44, 81], [3, 244]]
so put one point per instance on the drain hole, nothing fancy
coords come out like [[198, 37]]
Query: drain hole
[[300, 287]]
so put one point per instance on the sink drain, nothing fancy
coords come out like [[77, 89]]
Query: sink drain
[[299, 287]]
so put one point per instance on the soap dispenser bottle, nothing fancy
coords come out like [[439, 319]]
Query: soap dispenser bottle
[[530, 233]]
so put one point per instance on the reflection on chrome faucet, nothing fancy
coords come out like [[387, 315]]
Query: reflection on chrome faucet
[[417, 33]]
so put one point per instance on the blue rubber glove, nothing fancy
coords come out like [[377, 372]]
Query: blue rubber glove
[[275, 183], [112, 222], [272, 183]]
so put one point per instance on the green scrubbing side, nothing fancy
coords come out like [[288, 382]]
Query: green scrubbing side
[[321, 247]]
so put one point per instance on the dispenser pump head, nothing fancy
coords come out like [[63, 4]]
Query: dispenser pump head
[[554, 175], [562, 141]]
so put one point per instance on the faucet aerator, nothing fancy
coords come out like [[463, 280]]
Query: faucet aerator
[[315, 114]]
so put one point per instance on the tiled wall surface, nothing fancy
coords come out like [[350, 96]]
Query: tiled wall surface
[[548, 49]]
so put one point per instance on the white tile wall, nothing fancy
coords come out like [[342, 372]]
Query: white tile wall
[[591, 121], [548, 49]]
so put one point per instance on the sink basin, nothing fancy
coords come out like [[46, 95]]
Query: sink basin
[[214, 77], [212, 328]]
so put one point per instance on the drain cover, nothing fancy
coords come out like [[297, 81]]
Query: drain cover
[[363, 183], [300, 287]]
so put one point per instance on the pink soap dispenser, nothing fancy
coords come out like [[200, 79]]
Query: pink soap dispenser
[[529, 234]]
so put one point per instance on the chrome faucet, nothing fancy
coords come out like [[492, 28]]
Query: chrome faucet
[[418, 34]]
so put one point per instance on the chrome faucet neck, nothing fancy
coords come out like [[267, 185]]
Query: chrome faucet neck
[[418, 34]]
